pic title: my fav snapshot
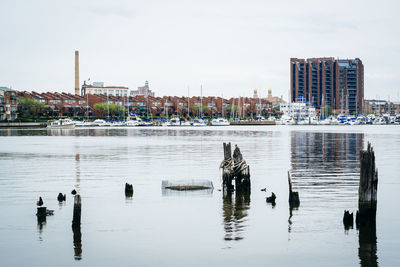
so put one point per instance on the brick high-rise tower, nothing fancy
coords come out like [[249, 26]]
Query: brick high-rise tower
[[338, 83]]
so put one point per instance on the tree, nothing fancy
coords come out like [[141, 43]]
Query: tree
[[196, 109], [29, 107], [114, 110]]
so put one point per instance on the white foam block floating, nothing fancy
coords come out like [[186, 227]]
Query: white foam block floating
[[183, 185]]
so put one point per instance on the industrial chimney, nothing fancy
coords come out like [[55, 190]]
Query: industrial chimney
[[77, 73]]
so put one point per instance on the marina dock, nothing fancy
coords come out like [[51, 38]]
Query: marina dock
[[253, 123]]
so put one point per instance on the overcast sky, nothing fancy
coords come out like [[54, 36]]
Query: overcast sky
[[230, 47]]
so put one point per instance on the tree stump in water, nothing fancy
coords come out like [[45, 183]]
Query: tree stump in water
[[368, 189], [235, 169], [294, 200], [76, 220]]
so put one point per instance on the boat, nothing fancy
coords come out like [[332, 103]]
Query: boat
[[133, 121], [101, 123], [61, 124], [198, 123], [84, 124], [220, 122], [175, 121]]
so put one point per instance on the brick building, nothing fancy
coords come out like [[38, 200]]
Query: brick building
[[8, 104], [338, 83], [61, 104]]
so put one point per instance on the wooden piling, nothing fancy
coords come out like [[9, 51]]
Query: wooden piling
[[294, 200], [241, 171], [61, 197], [271, 199], [226, 165], [234, 168], [368, 188], [348, 220], [128, 190], [76, 220]]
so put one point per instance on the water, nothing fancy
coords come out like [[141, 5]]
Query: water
[[195, 228]]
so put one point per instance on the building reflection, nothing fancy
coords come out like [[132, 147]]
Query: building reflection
[[235, 211], [326, 151]]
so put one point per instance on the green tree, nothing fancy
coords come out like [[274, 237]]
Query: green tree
[[196, 109], [30, 108], [112, 109]]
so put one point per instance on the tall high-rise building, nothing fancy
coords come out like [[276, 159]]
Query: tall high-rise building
[[338, 83]]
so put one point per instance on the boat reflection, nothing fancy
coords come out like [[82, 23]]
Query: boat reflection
[[235, 212]]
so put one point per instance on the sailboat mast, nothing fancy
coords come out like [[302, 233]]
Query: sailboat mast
[[201, 101]]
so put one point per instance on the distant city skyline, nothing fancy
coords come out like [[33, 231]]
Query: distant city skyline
[[228, 47]]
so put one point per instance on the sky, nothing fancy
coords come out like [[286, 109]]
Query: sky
[[227, 47]]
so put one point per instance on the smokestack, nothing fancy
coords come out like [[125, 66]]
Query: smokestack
[[77, 73]]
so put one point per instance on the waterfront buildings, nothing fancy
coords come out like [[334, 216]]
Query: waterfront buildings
[[380, 107], [60, 104], [143, 90], [8, 104], [275, 100], [338, 83], [99, 88], [63, 104], [299, 109]]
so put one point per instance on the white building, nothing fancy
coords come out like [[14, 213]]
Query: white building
[[98, 88], [297, 110]]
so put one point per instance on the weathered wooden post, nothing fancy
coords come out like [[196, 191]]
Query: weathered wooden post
[[61, 197], [41, 211], [235, 169], [368, 189], [128, 190], [226, 166], [294, 200], [271, 199], [76, 220], [241, 171], [348, 220]]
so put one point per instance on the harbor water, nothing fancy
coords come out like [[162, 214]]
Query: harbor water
[[199, 228]]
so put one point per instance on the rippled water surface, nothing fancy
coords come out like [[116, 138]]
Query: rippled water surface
[[195, 228]]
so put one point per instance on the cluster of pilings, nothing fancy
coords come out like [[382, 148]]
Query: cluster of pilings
[[42, 212], [234, 167]]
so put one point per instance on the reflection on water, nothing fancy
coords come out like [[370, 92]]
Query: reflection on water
[[41, 223], [326, 165], [325, 168], [77, 242], [234, 210], [368, 249]]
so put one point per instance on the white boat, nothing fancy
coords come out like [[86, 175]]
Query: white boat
[[198, 123], [133, 121], [175, 121], [61, 124], [101, 123], [260, 118], [220, 122], [84, 124]]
